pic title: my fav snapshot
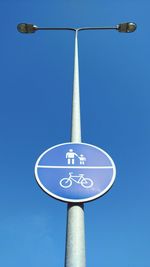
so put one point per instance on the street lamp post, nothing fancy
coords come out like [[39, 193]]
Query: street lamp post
[[75, 239]]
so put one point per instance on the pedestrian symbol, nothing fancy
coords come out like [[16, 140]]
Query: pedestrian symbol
[[82, 159], [75, 172], [71, 157]]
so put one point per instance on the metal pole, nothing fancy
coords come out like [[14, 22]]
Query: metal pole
[[75, 240], [76, 120], [75, 237]]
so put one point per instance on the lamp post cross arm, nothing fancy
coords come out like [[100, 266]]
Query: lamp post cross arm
[[75, 29], [126, 27]]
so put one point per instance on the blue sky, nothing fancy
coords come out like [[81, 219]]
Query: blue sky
[[35, 113]]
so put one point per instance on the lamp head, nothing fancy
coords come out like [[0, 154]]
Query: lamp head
[[127, 27], [26, 28]]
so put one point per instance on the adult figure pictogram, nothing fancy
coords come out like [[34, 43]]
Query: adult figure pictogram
[[70, 156]]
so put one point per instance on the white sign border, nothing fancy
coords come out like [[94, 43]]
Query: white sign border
[[68, 200]]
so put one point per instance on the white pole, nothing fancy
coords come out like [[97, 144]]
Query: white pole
[[75, 239], [76, 120]]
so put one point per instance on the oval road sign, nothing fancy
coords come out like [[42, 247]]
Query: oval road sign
[[75, 172]]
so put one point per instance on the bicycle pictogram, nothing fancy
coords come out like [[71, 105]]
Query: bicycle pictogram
[[79, 179]]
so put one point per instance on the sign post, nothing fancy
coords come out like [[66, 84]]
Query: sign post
[[75, 172], [75, 177], [75, 233]]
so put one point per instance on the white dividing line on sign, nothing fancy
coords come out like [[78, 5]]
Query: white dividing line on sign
[[75, 167]]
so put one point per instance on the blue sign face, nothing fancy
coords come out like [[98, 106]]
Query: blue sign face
[[75, 172]]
